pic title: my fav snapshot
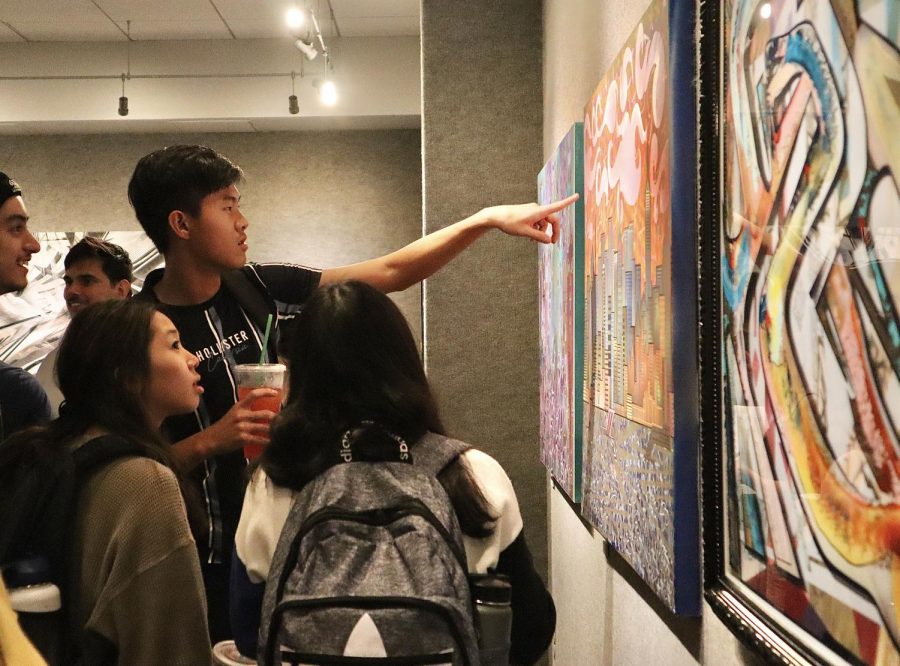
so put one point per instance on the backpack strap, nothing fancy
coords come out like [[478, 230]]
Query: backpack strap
[[434, 452], [246, 287], [252, 295], [100, 451]]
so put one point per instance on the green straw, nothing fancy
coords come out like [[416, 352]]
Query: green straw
[[262, 353]]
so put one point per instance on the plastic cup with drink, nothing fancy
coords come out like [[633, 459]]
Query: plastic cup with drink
[[260, 375]]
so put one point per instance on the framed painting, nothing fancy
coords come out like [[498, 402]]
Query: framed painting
[[802, 347], [561, 284], [641, 406], [32, 321]]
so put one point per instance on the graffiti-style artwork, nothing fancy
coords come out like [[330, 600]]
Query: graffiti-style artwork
[[33, 320], [561, 269], [630, 447], [810, 274]]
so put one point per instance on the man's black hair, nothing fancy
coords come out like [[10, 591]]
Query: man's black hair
[[114, 260], [176, 178]]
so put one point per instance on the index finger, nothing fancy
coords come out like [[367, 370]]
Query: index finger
[[555, 206]]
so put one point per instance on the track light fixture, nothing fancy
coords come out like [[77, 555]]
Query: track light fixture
[[307, 49], [327, 90], [311, 43], [123, 101], [293, 104], [328, 93]]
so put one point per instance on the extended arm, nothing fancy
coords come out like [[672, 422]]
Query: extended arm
[[421, 258]]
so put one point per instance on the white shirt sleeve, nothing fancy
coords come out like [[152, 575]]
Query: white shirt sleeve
[[495, 484], [47, 379], [265, 510]]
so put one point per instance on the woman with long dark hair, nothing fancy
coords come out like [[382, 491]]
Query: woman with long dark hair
[[355, 371], [133, 591]]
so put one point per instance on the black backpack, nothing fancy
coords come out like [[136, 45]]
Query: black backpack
[[38, 496], [370, 567]]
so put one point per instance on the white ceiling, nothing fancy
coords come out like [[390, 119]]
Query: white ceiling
[[106, 20]]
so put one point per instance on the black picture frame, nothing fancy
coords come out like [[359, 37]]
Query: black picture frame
[[741, 612], [754, 629]]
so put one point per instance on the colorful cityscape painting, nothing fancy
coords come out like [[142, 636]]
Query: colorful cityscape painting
[[636, 442], [810, 275], [561, 283]]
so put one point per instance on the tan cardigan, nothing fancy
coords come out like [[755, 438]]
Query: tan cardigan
[[136, 578]]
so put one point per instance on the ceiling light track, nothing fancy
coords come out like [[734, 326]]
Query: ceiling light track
[[100, 77], [311, 44], [10, 26], [110, 19], [334, 23], [222, 18]]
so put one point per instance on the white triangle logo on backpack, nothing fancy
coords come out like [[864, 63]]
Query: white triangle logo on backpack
[[365, 640]]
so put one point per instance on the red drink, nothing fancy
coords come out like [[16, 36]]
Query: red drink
[[253, 451], [269, 403]]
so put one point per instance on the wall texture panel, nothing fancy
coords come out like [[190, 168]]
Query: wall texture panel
[[481, 68]]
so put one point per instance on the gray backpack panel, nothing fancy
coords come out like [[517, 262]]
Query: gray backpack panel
[[371, 563]]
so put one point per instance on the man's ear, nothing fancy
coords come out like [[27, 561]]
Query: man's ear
[[179, 224], [122, 288]]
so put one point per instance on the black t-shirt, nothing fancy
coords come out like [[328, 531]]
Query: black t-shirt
[[23, 402], [221, 334]]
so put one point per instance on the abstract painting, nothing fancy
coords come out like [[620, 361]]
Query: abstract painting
[[809, 252], [561, 283], [640, 446], [32, 321]]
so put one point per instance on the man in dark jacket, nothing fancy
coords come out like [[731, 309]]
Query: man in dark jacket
[[22, 400]]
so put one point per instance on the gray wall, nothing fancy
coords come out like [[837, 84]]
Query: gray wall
[[607, 615], [316, 198], [481, 135]]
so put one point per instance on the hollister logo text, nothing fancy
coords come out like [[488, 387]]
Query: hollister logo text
[[235, 342]]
